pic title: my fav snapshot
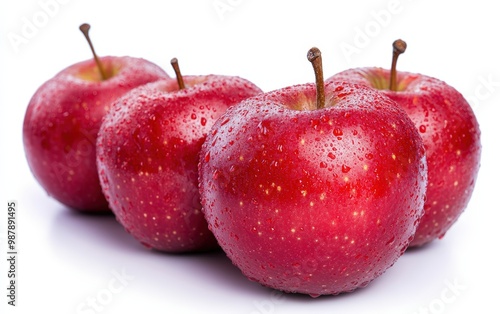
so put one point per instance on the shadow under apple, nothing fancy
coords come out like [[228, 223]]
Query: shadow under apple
[[95, 242], [92, 243]]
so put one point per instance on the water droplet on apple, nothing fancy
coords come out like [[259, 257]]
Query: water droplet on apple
[[422, 128], [262, 128], [314, 295], [345, 169], [193, 116], [314, 123], [337, 132], [404, 246], [435, 137], [391, 241], [331, 155], [207, 157], [323, 164], [216, 174], [369, 156], [215, 141], [252, 279], [203, 121]]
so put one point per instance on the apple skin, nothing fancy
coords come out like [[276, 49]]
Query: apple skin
[[313, 201], [451, 137], [148, 153], [61, 124]]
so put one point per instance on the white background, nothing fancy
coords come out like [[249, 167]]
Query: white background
[[66, 259]]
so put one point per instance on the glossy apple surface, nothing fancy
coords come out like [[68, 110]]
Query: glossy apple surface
[[62, 121], [314, 201], [451, 137], [148, 153]]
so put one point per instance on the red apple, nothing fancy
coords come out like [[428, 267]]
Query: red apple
[[63, 118], [451, 137], [147, 156], [309, 197]]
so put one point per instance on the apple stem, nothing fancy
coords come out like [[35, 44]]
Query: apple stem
[[85, 30], [398, 47], [180, 81], [314, 56]]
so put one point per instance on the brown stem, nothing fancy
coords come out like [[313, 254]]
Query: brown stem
[[398, 47], [85, 30], [180, 81], [314, 56]]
